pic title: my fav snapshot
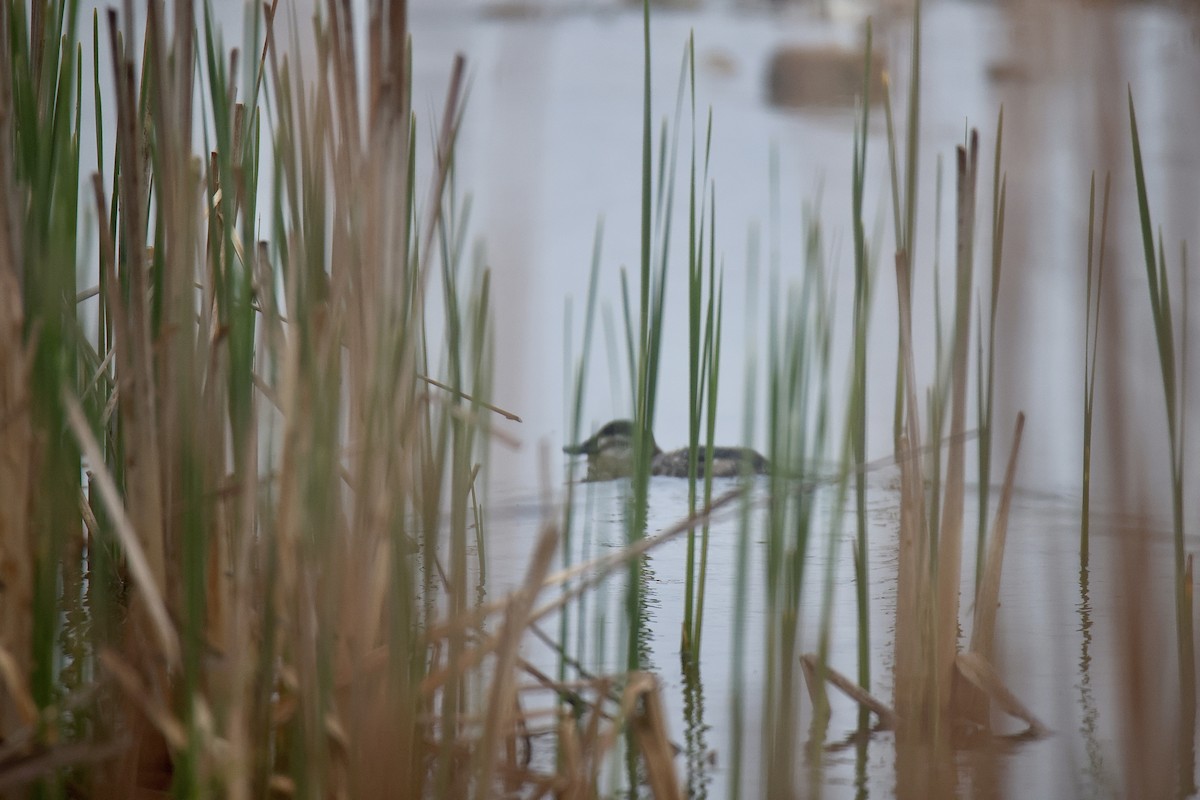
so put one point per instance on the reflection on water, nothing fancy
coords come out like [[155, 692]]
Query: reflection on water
[[697, 756], [1056, 629], [1089, 714]]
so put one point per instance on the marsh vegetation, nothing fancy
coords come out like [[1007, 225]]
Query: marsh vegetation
[[247, 357]]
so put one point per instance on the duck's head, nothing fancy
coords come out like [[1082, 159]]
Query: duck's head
[[610, 451]]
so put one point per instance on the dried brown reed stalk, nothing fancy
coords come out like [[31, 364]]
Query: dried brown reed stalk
[[974, 666], [1152, 756], [928, 665], [912, 694], [650, 728], [139, 564], [975, 681], [812, 676], [503, 694], [244, 592], [949, 541], [977, 671], [987, 598]]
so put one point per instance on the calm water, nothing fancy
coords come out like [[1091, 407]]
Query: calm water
[[552, 142], [1057, 645]]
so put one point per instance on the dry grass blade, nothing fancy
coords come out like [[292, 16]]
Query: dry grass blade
[[910, 571], [445, 149], [650, 726], [599, 568], [979, 673], [18, 689], [30, 769], [518, 749], [139, 566], [987, 598], [912, 580], [489, 406], [503, 692], [570, 760], [887, 717], [949, 556], [125, 676]]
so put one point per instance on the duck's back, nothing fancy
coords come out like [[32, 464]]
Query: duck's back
[[726, 462]]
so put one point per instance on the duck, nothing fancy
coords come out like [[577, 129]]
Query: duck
[[610, 455]]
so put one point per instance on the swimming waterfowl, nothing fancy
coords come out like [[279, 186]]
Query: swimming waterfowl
[[610, 455]]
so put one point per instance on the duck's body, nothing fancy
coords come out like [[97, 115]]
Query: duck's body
[[610, 455], [727, 462]]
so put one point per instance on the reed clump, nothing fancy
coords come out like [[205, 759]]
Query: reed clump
[[237, 512], [936, 687]]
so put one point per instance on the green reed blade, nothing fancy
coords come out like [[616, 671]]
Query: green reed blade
[[1095, 276], [1160, 305], [984, 393]]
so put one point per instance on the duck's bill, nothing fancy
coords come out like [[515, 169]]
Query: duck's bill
[[584, 449]]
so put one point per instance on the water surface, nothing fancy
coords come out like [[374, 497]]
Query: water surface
[[552, 143]]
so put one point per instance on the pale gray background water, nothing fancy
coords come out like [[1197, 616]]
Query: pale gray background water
[[552, 142]]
